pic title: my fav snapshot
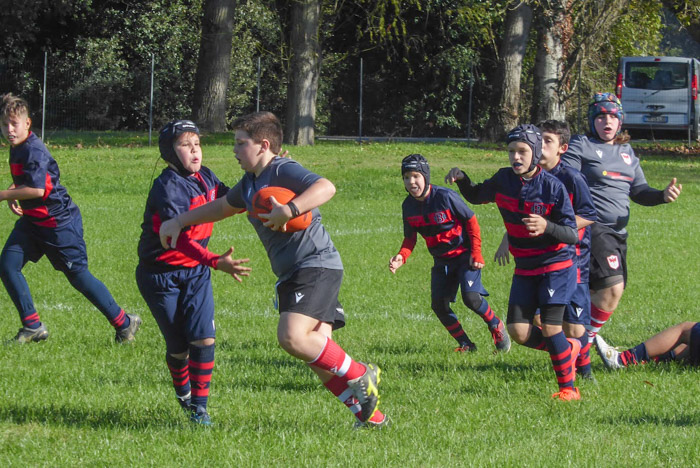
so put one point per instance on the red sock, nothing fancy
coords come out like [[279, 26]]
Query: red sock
[[336, 361], [338, 386], [598, 319]]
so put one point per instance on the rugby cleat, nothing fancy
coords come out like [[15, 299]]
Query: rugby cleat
[[568, 394], [466, 348], [200, 416], [369, 424], [127, 334], [185, 401], [500, 338], [607, 353], [365, 390], [28, 335]]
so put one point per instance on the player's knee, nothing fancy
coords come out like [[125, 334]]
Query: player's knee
[[472, 300], [519, 332], [441, 307], [203, 342]]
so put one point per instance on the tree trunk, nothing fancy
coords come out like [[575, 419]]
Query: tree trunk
[[305, 68], [214, 66], [553, 30], [505, 115]]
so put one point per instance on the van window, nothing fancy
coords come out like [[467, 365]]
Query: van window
[[656, 75]]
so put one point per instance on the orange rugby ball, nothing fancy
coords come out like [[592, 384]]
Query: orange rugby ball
[[262, 204]]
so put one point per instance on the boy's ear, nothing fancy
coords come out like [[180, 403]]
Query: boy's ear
[[563, 148], [265, 144]]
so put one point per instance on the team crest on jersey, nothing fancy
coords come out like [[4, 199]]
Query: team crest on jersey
[[599, 153], [440, 218], [626, 158], [614, 262], [212, 195]]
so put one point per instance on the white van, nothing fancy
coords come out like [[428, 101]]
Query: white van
[[660, 93]]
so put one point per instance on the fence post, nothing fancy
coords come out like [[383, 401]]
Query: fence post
[[257, 97], [359, 130], [43, 97], [150, 106]]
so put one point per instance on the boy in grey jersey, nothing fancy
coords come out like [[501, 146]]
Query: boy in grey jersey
[[614, 176], [307, 265]]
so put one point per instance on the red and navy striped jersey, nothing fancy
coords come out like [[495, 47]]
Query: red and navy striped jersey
[[580, 196], [443, 221], [516, 199], [32, 165], [171, 195]]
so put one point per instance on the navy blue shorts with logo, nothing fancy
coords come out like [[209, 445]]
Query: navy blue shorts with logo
[[313, 292], [555, 287], [446, 278], [64, 246], [182, 302], [608, 254], [578, 311], [694, 345]]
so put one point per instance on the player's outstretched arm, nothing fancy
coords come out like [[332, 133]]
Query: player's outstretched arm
[[233, 267], [672, 191], [316, 195], [208, 213]]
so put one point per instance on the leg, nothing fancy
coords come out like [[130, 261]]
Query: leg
[[473, 293], [562, 351], [443, 290], [521, 329]]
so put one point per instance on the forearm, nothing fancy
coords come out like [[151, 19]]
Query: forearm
[[647, 196], [468, 189], [582, 222], [565, 234], [195, 251], [21, 193], [316, 195], [207, 213]]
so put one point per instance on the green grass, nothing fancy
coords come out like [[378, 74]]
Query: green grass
[[78, 399]]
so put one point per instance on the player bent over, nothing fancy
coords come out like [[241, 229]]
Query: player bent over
[[541, 227], [306, 262], [176, 284], [453, 237], [50, 224], [680, 342]]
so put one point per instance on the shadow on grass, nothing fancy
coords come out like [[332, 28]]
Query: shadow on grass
[[684, 420], [60, 415]]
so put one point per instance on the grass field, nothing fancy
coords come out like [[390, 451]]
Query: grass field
[[80, 400]]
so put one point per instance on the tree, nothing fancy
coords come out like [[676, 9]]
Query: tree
[[304, 71], [505, 114], [214, 64]]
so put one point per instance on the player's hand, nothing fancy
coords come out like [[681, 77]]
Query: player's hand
[[454, 175], [395, 263], [502, 256], [535, 224], [277, 218], [15, 207], [285, 154], [476, 263], [169, 232], [672, 191], [233, 267]]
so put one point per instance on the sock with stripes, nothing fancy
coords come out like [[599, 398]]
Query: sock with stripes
[[454, 328], [598, 319], [200, 366], [634, 356], [338, 386], [560, 354], [583, 361], [179, 371], [333, 359], [536, 339]]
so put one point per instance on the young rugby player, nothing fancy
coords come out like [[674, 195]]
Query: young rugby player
[[453, 237], [541, 227], [306, 262], [176, 284], [614, 176], [50, 224]]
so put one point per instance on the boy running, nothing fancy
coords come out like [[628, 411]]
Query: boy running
[[176, 284], [555, 142], [541, 227], [307, 264], [50, 224], [453, 237]]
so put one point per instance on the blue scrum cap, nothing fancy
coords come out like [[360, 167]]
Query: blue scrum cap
[[417, 163], [604, 103], [168, 135], [530, 135]]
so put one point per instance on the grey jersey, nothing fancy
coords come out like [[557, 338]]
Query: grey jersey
[[611, 171], [287, 252]]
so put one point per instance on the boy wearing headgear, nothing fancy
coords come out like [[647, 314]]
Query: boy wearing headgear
[[614, 175], [541, 227], [453, 237], [176, 283], [50, 224]]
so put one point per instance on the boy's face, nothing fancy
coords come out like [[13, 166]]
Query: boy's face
[[414, 183], [189, 152], [248, 153], [16, 128], [606, 126], [552, 150], [520, 157]]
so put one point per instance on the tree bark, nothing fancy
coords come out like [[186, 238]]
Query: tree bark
[[214, 65], [505, 115], [554, 29], [305, 68]]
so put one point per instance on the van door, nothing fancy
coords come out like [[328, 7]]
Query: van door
[[656, 93]]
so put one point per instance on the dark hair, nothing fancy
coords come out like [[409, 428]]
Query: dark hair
[[13, 105], [557, 127], [262, 126]]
